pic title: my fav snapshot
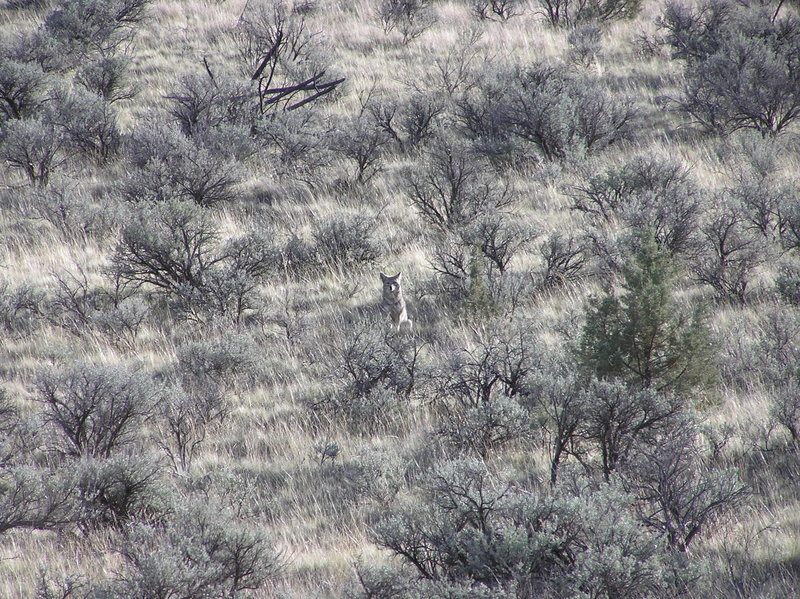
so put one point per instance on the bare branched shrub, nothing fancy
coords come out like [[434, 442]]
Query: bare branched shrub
[[74, 301], [617, 418], [372, 359], [9, 420], [299, 257], [175, 248], [185, 417], [275, 33], [488, 132], [498, 238], [497, 10], [760, 183], [374, 373], [772, 359], [570, 13], [471, 268], [82, 308], [558, 397], [199, 103], [169, 246], [606, 194], [285, 60], [455, 187], [681, 493], [692, 33], [95, 410], [364, 145], [730, 254], [496, 365], [122, 319], [33, 146], [411, 18], [564, 259], [71, 587], [378, 475], [231, 287], [459, 69], [465, 277], [408, 123]]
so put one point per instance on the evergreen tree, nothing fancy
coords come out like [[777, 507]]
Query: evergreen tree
[[644, 336]]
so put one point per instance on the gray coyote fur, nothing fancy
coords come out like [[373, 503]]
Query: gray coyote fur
[[392, 302]]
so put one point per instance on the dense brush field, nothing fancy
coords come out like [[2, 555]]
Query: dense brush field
[[595, 207]]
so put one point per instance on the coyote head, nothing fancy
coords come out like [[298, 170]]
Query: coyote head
[[391, 285]]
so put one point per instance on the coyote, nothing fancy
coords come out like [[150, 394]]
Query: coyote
[[392, 302]]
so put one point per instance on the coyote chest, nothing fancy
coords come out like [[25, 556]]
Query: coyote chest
[[392, 301]]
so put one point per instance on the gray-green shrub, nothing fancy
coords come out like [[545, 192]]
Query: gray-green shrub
[[23, 88], [88, 123], [21, 308], [200, 550], [469, 531], [108, 77], [559, 114], [228, 360], [171, 165], [35, 498], [741, 65], [646, 192], [84, 28], [117, 490]]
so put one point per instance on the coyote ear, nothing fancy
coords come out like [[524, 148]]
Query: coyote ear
[[398, 276], [383, 277]]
